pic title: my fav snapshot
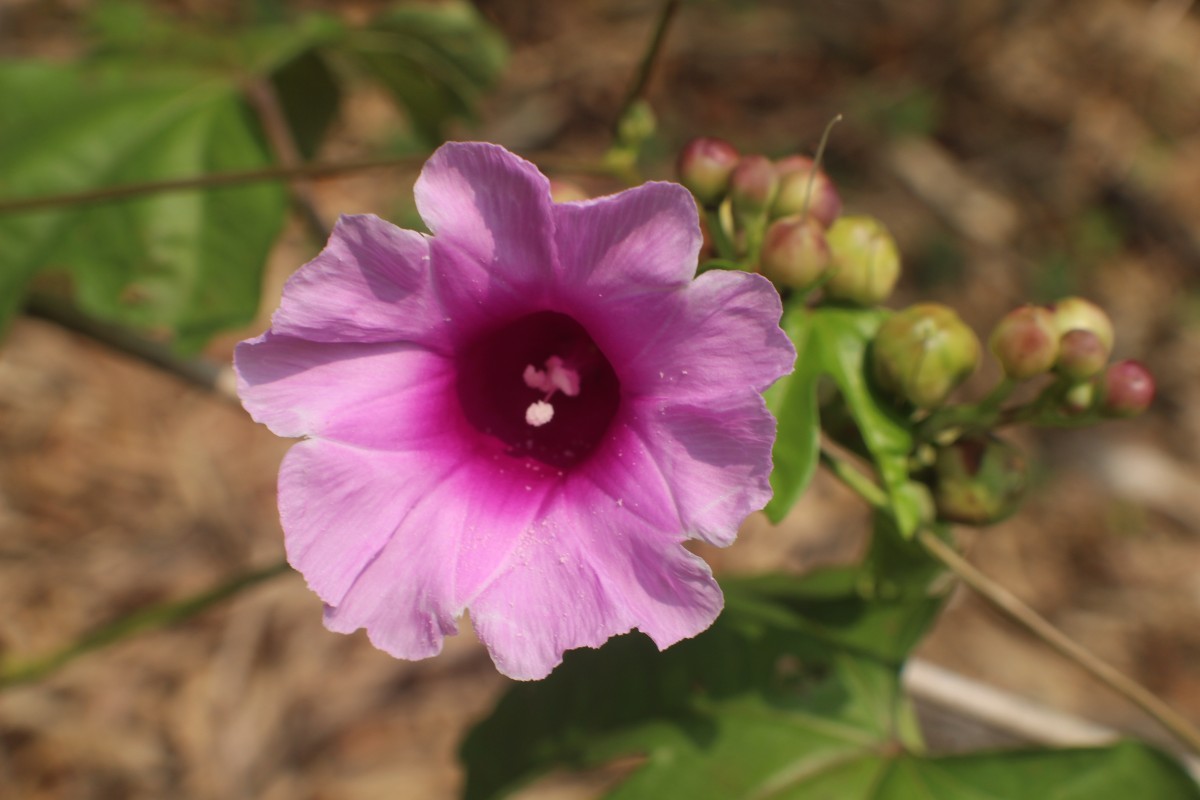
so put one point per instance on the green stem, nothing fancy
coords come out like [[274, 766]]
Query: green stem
[[720, 237], [817, 157], [855, 479], [637, 86], [977, 416], [143, 619]]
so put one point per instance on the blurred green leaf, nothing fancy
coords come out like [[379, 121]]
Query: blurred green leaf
[[435, 59], [310, 95], [793, 401], [189, 261]]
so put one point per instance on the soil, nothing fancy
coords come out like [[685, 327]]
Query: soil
[[1018, 150]]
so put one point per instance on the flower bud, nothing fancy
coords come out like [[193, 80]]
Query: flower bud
[[1025, 342], [864, 261], [1081, 355], [566, 191], [1126, 389], [1075, 313], [923, 353], [752, 187], [637, 124], [978, 480], [795, 172], [794, 252], [705, 166]]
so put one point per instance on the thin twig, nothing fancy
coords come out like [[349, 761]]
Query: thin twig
[[1025, 616], [637, 87], [143, 619], [200, 372], [214, 180], [265, 102], [217, 180]]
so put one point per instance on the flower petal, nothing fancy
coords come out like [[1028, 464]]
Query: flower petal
[[590, 570], [646, 238], [489, 203], [398, 557], [389, 396], [715, 461], [369, 284], [718, 338]]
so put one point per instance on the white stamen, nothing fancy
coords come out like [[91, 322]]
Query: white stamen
[[539, 413], [557, 377]]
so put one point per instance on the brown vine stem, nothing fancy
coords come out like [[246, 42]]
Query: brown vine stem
[[214, 180], [637, 87], [1022, 614]]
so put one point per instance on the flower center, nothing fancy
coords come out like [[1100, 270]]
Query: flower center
[[539, 386], [557, 377]]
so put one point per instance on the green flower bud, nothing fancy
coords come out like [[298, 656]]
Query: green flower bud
[[1081, 355], [637, 125], [794, 252], [1126, 389], [978, 480], [752, 187], [1025, 342], [864, 261], [1075, 313], [795, 172], [923, 353], [705, 166]]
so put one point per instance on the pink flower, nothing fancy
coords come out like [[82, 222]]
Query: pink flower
[[524, 415]]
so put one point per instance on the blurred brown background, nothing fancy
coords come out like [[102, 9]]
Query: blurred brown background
[[1018, 150]]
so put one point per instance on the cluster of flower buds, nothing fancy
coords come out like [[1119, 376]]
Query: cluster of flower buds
[[1072, 339], [922, 353], [786, 222]]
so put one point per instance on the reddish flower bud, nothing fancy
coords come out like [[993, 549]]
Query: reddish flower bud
[[1075, 313], [795, 172], [1126, 389], [752, 186], [923, 353], [1081, 355], [705, 165], [864, 261], [1025, 342], [978, 480], [794, 252]]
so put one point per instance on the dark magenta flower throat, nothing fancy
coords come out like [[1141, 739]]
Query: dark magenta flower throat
[[541, 386]]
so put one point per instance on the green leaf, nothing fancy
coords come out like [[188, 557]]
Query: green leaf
[[793, 693], [436, 60], [309, 94], [1117, 772], [842, 339], [793, 401], [190, 262], [834, 341], [806, 664]]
